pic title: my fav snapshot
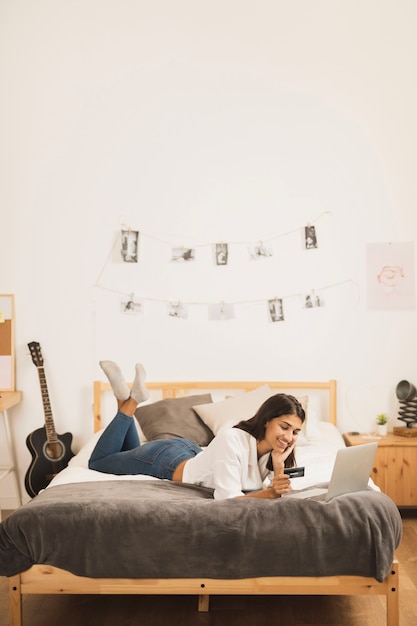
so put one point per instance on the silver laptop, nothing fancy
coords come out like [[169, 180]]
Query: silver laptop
[[351, 472]]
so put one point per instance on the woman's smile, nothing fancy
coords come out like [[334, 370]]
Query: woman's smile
[[283, 445], [280, 433]]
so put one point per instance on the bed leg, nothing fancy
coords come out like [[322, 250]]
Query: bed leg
[[203, 603], [393, 604], [15, 601]]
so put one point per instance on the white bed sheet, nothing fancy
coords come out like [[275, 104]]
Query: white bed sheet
[[78, 471], [317, 456]]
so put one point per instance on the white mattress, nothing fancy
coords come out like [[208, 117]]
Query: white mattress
[[316, 454]]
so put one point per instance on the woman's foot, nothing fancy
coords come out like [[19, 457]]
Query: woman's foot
[[138, 391], [116, 379]]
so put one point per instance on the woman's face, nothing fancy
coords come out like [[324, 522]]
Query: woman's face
[[280, 433]]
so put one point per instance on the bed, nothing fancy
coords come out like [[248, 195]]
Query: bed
[[135, 535]]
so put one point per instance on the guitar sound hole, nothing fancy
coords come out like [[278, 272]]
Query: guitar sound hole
[[54, 451]]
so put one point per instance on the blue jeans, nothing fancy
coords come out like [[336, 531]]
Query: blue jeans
[[119, 451]]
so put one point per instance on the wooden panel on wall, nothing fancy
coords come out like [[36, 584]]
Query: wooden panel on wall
[[7, 369]]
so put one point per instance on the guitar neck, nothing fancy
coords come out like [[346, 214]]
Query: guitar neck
[[49, 421]]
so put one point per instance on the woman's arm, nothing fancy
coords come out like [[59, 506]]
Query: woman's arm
[[280, 484], [229, 459]]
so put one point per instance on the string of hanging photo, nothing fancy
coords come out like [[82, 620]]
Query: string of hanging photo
[[128, 240], [256, 250]]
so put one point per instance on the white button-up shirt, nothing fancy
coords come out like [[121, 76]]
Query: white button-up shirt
[[229, 465]]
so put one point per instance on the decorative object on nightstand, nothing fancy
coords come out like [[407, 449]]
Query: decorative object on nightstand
[[382, 424], [407, 396]]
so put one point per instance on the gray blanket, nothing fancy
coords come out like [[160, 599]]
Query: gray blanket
[[150, 529]]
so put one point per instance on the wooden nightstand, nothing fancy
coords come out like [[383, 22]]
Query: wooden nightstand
[[395, 466]]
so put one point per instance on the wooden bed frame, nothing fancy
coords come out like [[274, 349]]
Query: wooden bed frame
[[44, 579]]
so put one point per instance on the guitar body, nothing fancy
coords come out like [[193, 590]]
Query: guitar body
[[47, 459], [50, 452]]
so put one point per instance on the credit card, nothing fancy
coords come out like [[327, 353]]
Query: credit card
[[294, 472]]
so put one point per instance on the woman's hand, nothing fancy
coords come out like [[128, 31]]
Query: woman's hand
[[279, 458], [280, 482]]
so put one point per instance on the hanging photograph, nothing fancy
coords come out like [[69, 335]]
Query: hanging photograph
[[391, 275], [183, 254], [132, 306], [310, 237], [221, 253], [221, 311], [276, 310], [312, 300], [177, 309], [130, 242], [260, 251]]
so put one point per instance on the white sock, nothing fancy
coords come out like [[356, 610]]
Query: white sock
[[139, 391], [116, 379]]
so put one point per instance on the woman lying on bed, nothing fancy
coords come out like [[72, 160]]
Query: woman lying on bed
[[236, 461]]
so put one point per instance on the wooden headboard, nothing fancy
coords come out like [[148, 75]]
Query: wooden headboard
[[180, 389]]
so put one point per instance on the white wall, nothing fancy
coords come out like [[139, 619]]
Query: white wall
[[197, 122]]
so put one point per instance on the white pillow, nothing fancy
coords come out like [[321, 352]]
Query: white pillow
[[302, 440], [227, 413], [83, 456], [312, 423]]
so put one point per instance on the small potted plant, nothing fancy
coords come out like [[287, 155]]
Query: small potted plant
[[382, 421]]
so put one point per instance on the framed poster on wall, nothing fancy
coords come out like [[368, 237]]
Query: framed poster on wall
[[7, 343]]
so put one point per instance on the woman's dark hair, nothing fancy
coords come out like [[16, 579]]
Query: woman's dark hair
[[275, 406]]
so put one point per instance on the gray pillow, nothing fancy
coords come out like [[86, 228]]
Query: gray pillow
[[174, 417]]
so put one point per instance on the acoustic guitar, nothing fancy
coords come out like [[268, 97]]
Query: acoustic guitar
[[50, 452]]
